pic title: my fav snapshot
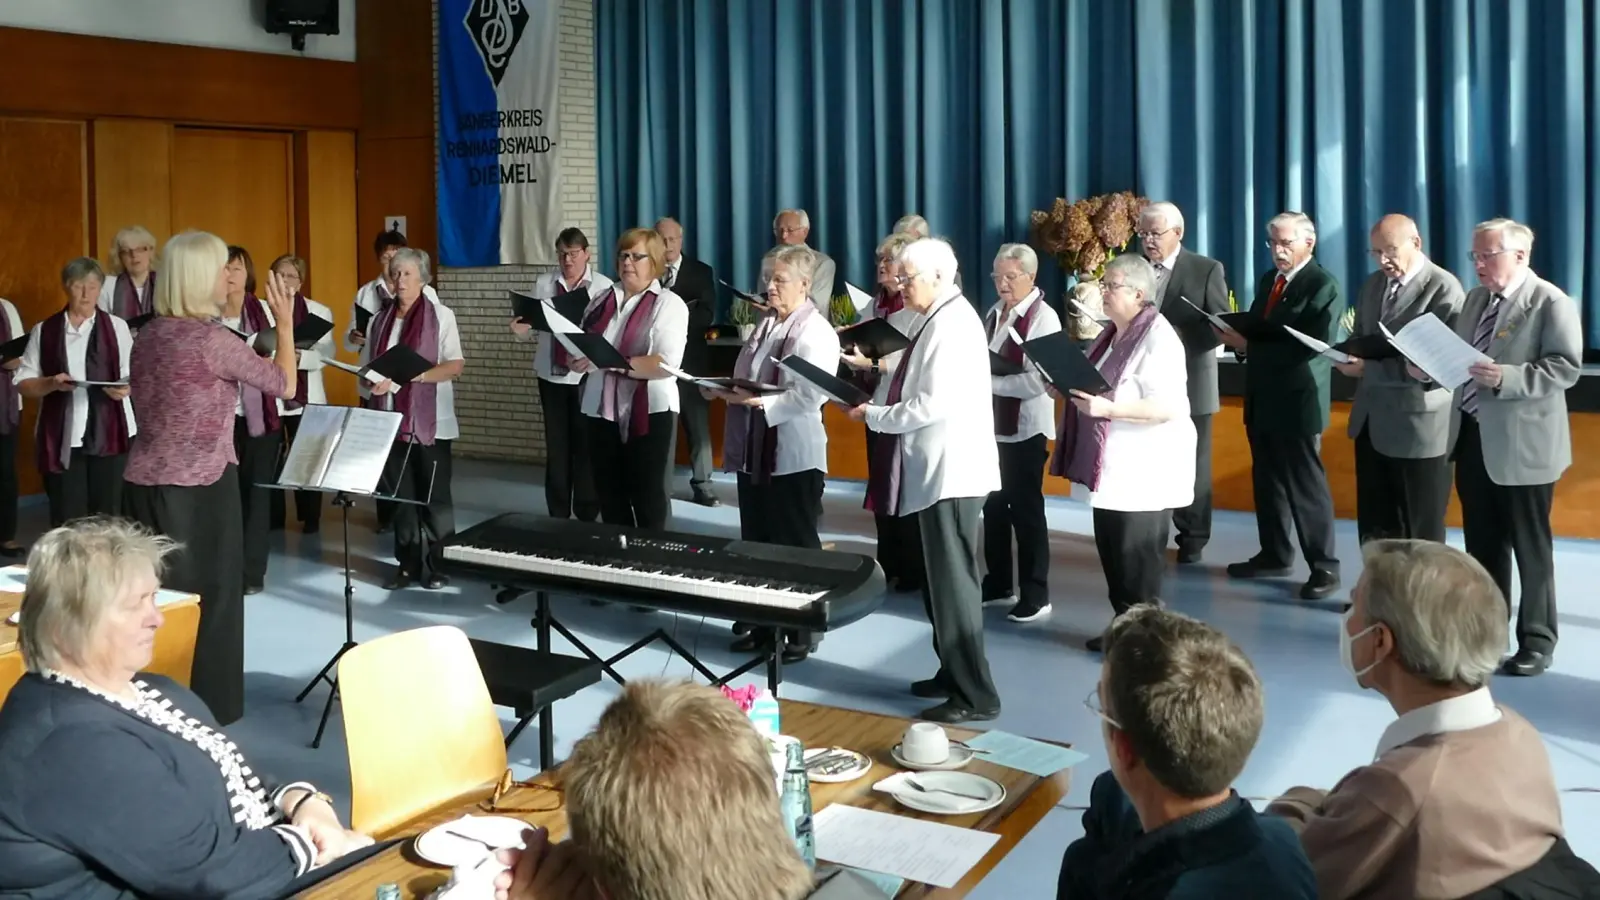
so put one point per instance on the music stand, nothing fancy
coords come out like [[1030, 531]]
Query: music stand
[[344, 498]]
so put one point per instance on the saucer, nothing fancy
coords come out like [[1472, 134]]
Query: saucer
[[960, 755]]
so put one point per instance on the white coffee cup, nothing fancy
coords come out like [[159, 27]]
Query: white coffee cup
[[925, 744]]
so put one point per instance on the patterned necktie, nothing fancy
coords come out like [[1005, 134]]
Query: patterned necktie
[[1277, 294], [1480, 341], [1388, 299], [671, 279]]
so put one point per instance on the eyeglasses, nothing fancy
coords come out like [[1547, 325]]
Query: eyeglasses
[[572, 254], [903, 280], [1109, 286], [625, 256], [1092, 704], [1147, 235], [508, 784], [1285, 244], [1007, 277], [1476, 257]]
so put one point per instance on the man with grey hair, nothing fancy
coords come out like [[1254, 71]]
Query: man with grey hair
[[793, 226], [1286, 408], [1460, 794], [1184, 275], [914, 225], [696, 284]]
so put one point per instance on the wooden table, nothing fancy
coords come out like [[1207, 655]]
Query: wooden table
[[1028, 799]]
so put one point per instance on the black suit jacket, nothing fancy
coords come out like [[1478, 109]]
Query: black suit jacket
[[1201, 280], [697, 285], [1286, 382]]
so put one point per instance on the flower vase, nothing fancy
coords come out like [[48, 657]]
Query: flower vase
[[1087, 295], [745, 331]]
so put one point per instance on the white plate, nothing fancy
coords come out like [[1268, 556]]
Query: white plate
[[863, 765], [960, 755], [440, 847], [934, 801]]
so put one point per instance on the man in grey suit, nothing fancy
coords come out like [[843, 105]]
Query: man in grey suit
[[1180, 273], [793, 226], [1509, 434], [1401, 428]]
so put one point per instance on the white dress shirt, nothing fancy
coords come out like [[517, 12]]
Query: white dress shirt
[[1150, 466], [446, 428], [797, 412], [236, 323], [668, 332], [549, 286], [370, 298], [822, 281], [1464, 713], [945, 417], [1038, 413], [311, 360], [77, 339]]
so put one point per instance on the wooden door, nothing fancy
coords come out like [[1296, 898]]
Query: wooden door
[[238, 185]]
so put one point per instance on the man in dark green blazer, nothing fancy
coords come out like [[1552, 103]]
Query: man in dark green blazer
[[1286, 407]]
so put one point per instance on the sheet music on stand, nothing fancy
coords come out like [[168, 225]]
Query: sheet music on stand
[[340, 448]]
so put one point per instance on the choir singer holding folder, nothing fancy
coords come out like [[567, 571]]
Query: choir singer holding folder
[[633, 412]]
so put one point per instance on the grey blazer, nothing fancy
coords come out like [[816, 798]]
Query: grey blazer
[[1538, 341], [1404, 418], [1201, 279], [822, 281]]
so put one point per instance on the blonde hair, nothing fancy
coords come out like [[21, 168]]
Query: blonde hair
[[132, 238], [673, 797], [653, 245], [893, 244], [913, 225], [76, 573], [187, 287], [298, 263]]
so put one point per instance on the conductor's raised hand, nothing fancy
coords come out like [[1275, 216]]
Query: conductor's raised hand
[[280, 299]]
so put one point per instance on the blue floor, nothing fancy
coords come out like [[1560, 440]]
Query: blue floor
[[1319, 724]]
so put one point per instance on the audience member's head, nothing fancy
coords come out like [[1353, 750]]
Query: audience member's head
[[1182, 707], [672, 796], [194, 276]]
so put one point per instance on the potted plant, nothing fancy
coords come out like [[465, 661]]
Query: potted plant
[[842, 311], [1082, 237], [743, 317]]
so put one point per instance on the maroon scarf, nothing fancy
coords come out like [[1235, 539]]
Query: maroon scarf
[[418, 401], [260, 410], [10, 409], [1008, 410], [384, 302], [1081, 441], [106, 433], [747, 439], [885, 304], [635, 341], [560, 359], [127, 303], [883, 469], [301, 379]]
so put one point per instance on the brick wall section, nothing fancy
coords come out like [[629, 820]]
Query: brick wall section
[[497, 397]]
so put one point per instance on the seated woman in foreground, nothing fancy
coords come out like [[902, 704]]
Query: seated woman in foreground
[[117, 784]]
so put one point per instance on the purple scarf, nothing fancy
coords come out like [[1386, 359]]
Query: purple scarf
[[746, 436], [10, 409], [635, 342], [418, 401], [128, 303], [1008, 410], [883, 469], [560, 359], [1081, 441], [106, 433], [260, 411], [301, 379]]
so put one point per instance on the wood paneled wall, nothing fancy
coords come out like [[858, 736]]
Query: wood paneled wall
[[395, 144], [326, 233], [238, 185], [132, 174]]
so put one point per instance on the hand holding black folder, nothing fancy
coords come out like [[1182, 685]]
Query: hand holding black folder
[[399, 364], [13, 349], [363, 319], [530, 309], [1001, 366], [1253, 327], [837, 389], [1368, 346], [1064, 365], [875, 338]]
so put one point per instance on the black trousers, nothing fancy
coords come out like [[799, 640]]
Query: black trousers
[[568, 470], [419, 530], [695, 417], [1291, 488], [208, 522], [1399, 498], [631, 478], [1132, 548], [8, 487], [258, 465], [90, 486], [899, 541], [307, 504], [953, 597], [1193, 522], [1505, 521], [1018, 507], [784, 511]]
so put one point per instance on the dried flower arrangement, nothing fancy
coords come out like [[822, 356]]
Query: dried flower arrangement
[[1082, 237]]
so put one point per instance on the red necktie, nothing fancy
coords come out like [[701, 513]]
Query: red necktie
[[1277, 293]]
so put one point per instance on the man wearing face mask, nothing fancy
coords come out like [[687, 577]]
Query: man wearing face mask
[[1460, 795], [1181, 709]]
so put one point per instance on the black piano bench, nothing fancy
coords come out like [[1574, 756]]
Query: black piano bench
[[530, 682]]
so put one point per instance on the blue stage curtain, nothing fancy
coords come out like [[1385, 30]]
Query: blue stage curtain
[[975, 112]]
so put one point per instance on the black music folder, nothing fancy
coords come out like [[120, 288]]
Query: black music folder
[[875, 338], [400, 364], [837, 389], [1064, 365], [1368, 346], [530, 309], [741, 384], [141, 321], [759, 300], [310, 330], [13, 349], [1253, 327], [1000, 365], [599, 351], [363, 319]]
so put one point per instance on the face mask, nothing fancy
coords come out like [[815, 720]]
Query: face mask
[[1347, 644]]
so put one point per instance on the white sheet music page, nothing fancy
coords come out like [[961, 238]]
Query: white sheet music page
[[562, 325], [362, 450], [1435, 349], [1338, 356], [313, 446], [928, 852], [861, 299], [1215, 320]]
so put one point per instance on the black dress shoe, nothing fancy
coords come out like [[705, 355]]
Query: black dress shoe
[[1188, 556], [251, 589], [703, 495], [1256, 567], [435, 582], [1321, 583], [311, 527], [953, 712], [400, 580], [1526, 663], [929, 689]]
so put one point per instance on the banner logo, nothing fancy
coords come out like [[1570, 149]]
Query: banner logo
[[496, 27]]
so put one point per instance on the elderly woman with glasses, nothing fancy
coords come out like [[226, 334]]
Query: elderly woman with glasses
[[292, 271], [115, 783], [130, 292], [633, 414], [82, 437], [1134, 447]]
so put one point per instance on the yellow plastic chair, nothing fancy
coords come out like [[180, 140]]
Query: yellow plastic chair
[[11, 672], [420, 730]]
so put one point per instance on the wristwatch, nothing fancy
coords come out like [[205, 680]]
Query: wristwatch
[[312, 795]]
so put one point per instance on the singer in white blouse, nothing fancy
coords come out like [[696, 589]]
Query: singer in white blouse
[[293, 272], [633, 414], [1024, 421]]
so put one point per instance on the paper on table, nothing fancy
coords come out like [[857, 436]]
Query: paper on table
[[1025, 754], [1435, 349], [889, 884], [1338, 356], [860, 298], [912, 849]]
